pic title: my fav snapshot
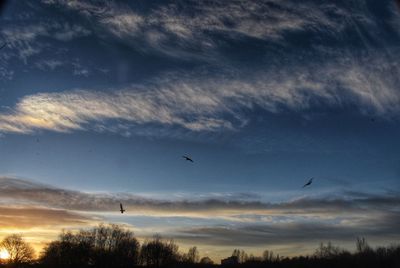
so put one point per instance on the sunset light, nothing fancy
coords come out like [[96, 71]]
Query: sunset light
[[4, 255], [205, 132]]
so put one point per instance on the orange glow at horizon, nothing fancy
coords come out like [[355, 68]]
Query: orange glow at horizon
[[4, 255]]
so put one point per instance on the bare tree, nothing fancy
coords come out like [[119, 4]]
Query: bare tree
[[71, 250], [327, 251], [268, 256], [362, 245], [20, 251], [159, 253], [103, 246], [115, 246], [192, 256], [241, 255]]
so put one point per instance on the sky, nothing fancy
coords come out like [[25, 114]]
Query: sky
[[99, 100]]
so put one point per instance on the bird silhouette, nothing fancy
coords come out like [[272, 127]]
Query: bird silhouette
[[187, 158], [308, 183], [121, 208], [3, 46]]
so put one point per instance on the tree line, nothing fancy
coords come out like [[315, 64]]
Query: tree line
[[114, 246]]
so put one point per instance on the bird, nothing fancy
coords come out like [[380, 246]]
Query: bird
[[187, 158], [121, 208], [3, 46], [308, 183]]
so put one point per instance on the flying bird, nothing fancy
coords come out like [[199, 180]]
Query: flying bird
[[121, 208], [188, 158], [3, 46], [308, 183]]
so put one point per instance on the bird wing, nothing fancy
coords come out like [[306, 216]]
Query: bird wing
[[120, 205], [308, 183], [187, 158]]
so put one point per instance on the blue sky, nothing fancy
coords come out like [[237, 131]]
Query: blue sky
[[100, 99]]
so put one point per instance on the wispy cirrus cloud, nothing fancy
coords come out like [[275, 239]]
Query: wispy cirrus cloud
[[25, 41], [76, 109], [198, 28], [49, 64], [195, 29], [212, 103], [202, 102]]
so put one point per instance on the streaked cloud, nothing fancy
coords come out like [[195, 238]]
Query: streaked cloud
[[49, 64], [226, 204], [224, 220], [286, 233], [26, 217], [197, 29], [211, 103], [192, 23], [203, 102], [22, 40], [197, 67]]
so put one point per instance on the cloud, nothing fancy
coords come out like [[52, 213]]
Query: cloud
[[49, 64], [27, 192], [212, 103], [27, 40], [38, 222], [21, 40], [33, 217], [223, 220], [196, 29], [6, 74], [73, 110], [79, 69], [123, 25], [67, 32], [274, 234], [204, 101]]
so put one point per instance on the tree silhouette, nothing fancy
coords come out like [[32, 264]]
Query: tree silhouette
[[103, 246], [69, 251], [362, 245], [206, 261], [327, 251], [192, 256], [241, 255], [115, 247], [20, 252], [268, 256], [157, 252]]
